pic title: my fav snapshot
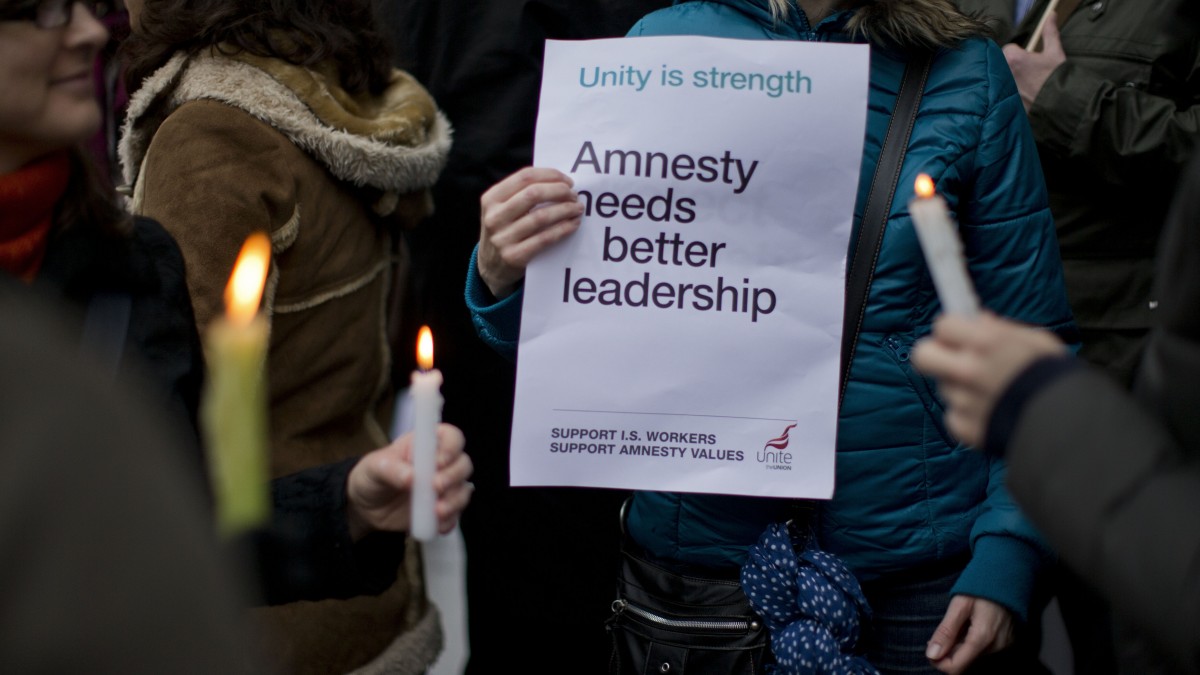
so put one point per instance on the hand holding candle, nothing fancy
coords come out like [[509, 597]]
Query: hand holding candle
[[233, 413], [379, 487], [427, 412], [943, 250]]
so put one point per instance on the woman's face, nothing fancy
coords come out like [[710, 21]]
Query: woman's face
[[47, 89]]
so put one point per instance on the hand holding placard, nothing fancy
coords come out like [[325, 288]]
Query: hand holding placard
[[520, 217]]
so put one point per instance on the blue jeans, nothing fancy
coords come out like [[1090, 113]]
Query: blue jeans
[[907, 608]]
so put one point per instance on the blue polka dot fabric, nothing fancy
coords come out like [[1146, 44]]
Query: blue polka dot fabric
[[812, 605]]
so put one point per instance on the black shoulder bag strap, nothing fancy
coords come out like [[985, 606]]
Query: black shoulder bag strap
[[879, 205]]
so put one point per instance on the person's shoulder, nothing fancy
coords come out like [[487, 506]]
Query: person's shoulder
[[972, 52], [699, 17], [207, 152], [977, 59], [214, 120]]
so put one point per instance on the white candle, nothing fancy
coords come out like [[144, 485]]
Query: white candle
[[943, 250], [427, 413]]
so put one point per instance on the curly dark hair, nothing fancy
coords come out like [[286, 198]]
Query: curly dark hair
[[302, 32]]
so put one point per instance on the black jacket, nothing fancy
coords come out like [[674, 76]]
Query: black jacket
[[108, 560], [1114, 481]]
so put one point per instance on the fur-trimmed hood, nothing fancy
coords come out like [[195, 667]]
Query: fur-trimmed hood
[[901, 24], [397, 142]]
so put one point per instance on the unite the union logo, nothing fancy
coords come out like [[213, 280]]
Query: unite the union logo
[[773, 453]]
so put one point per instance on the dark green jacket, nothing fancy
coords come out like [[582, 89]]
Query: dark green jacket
[[998, 14], [1115, 126]]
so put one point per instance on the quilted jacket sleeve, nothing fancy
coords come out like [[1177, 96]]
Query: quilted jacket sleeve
[[498, 322], [1013, 254]]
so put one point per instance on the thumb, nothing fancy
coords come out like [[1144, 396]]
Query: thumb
[[401, 477], [946, 635], [384, 473], [1052, 38]]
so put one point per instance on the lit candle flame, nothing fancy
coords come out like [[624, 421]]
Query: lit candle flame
[[924, 186], [425, 348], [245, 288]]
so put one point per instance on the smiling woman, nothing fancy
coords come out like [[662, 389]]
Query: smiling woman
[[46, 53], [48, 108]]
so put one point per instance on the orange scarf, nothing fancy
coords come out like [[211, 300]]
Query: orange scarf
[[28, 197]]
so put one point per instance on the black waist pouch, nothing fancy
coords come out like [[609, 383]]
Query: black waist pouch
[[668, 623]]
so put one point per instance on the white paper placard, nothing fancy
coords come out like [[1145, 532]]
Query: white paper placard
[[687, 337]]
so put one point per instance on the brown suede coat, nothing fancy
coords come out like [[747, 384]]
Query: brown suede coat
[[217, 147]]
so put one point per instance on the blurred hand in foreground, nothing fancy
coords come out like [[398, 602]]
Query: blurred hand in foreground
[[974, 361]]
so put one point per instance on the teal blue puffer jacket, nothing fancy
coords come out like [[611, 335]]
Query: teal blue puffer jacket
[[906, 493]]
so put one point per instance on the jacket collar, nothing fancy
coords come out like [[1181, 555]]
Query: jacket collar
[[397, 142]]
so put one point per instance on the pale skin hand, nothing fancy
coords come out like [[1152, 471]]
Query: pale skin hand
[[972, 626], [974, 361], [1032, 69], [512, 231], [379, 486]]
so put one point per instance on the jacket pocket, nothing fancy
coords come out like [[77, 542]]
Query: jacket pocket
[[1124, 59], [900, 349]]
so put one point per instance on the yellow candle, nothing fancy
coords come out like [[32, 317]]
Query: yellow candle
[[233, 413]]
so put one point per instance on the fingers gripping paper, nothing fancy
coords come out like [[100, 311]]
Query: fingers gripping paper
[[687, 336]]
